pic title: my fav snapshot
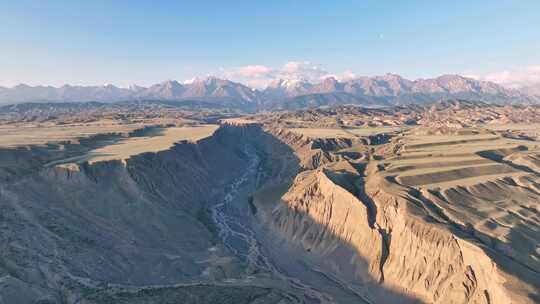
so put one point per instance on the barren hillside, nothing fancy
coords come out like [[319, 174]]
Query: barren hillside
[[435, 204]]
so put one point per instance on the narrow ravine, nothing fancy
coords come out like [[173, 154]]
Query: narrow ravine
[[231, 216], [240, 239]]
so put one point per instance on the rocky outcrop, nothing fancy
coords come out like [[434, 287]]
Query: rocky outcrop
[[82, 233], [68, 227], [382, 240], [327, 220], [428, 260], [398, 252]]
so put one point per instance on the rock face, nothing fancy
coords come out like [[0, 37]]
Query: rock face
[[427, 260], [285, 94], [200, 88], [169, 90], [388, 242], [68, 229], [323, 218], [351, 213], [392, 89], [397, 250]]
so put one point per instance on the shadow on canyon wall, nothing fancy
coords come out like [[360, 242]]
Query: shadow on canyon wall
[[144, 223]]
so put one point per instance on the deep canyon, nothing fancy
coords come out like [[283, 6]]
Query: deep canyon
[[252, 214]]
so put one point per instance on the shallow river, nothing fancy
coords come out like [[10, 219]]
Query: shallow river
[[232, 216]]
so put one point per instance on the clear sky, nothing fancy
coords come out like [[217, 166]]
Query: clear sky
[[144, 42]]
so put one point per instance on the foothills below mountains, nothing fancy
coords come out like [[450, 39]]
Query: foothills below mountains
[[145, 202], [285, 94]]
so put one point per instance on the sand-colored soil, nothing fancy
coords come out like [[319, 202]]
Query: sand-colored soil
[[29, 134], [372, 130], [447, 218], [342, 132], [238, 121], [445, 212], [163, 140], [513, 127], [452, 159], [322, 133]]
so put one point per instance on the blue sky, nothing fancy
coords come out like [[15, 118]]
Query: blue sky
[[143, 42]]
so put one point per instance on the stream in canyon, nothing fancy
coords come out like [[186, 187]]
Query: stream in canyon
[[238, 233]]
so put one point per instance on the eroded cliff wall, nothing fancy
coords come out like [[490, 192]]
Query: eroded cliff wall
[[382, 239], [68, 228]]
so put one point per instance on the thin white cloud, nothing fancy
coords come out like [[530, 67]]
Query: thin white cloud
[[303, 70], [346, 75], [248, 71], [257, 76], [260, 76], [514, 78]]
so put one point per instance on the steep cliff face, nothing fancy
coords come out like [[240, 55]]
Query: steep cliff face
[[68, 227], [311, 153], [400, 252], [384, 240], [327, 220], [428, 260], [106, 232]]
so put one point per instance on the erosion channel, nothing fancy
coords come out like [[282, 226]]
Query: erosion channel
[[258, 214]]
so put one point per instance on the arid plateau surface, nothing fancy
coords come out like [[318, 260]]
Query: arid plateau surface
[[154, 203]]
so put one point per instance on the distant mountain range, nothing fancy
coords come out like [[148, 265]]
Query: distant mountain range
[[532, 90], [169, 90], [285, 94]]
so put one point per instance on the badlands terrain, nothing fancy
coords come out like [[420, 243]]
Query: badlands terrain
[[161, 202]]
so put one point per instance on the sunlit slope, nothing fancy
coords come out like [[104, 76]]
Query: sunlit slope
[[42, 134], [161, 141], [417, 218], [446, 160], [485, 184]]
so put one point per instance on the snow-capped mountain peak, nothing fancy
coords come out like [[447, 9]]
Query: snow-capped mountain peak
[[390, 87]]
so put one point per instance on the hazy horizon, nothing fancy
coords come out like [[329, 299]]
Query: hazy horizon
[[292, 77], [123, 43]]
